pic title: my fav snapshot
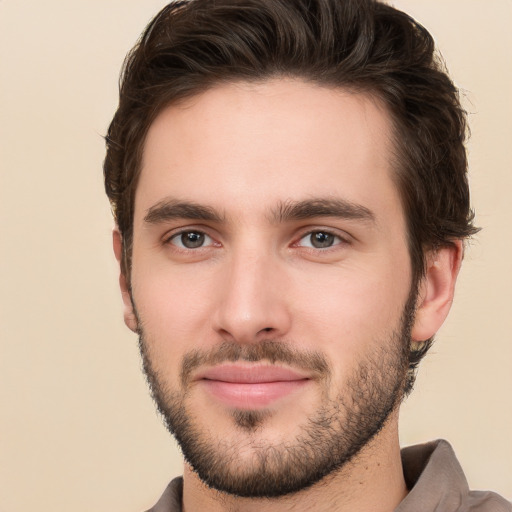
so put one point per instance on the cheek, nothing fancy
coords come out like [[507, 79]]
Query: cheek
[[348, 311], [174, 310]]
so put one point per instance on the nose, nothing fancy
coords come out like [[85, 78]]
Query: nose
[[253, 300]]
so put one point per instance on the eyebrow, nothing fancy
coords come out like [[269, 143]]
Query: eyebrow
[[321, 207], [169, 209]]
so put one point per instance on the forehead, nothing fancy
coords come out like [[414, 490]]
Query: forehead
[[244, 145]]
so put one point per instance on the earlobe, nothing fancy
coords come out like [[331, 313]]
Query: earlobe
[[436, 290], [129, 314]]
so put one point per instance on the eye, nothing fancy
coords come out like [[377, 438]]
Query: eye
[[319, 240], [191, 240]]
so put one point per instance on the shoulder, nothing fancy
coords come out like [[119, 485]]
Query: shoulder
[[437, 483], [486, 501], [171, 499]]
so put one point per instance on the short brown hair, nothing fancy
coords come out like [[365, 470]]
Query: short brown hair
[[362, 45]]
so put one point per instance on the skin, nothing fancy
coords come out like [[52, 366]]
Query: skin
[[243, 150]]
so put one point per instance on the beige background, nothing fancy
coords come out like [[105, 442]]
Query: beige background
[[77, 429]]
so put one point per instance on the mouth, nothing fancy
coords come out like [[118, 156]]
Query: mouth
[[250, 386]]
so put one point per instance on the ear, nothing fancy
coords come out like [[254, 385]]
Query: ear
[[129, 315], [436, 290]]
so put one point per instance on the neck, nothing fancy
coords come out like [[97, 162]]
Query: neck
[[373, 480]]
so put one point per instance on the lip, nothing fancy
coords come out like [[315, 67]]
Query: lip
[[250, 386]]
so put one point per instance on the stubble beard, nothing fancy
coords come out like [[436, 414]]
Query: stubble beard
[[328, 439]]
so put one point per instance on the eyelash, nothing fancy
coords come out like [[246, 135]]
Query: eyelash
[[180, 234], [337, 240]]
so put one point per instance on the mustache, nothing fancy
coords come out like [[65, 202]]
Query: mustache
[[266, 350]]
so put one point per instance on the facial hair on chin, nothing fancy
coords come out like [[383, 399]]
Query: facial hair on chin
[[328, 439]]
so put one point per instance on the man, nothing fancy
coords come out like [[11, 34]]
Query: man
[[288, 179]]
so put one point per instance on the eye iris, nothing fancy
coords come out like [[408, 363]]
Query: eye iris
[[321, 240], [191, 240]]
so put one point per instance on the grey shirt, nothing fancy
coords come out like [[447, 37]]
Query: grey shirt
[[432, 474]]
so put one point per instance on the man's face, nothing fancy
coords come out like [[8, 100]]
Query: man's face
[[271, 280]]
